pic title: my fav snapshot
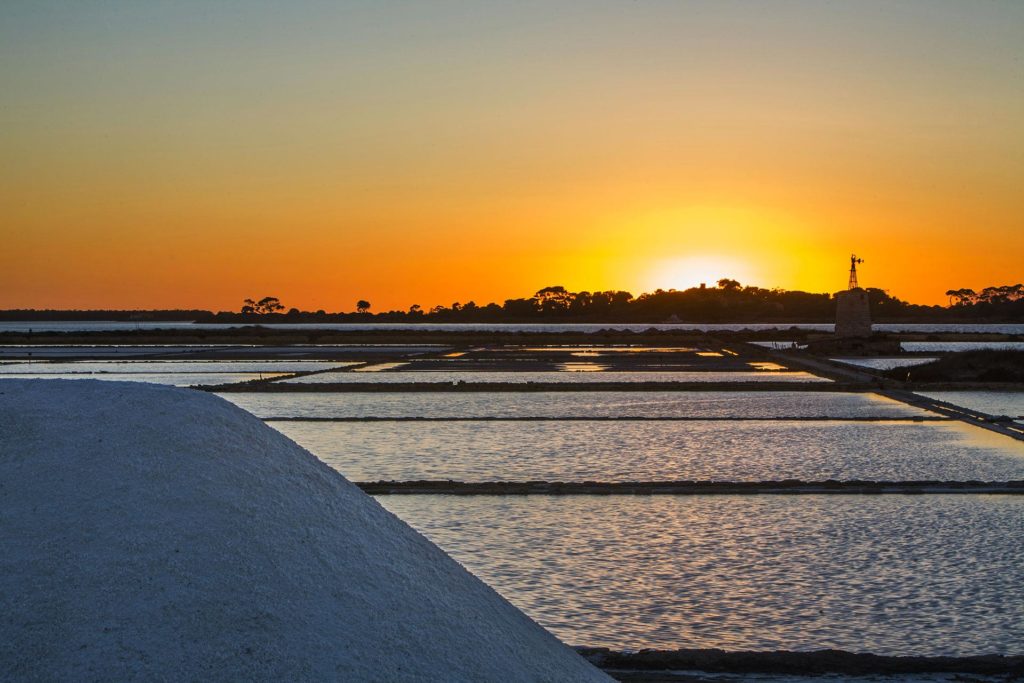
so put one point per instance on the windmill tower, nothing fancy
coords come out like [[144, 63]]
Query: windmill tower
[[853, 315], [853, 271]]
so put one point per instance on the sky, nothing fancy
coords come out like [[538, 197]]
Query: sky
[[192, 154]]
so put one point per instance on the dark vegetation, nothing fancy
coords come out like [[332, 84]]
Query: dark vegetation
[[990, 297], [274, 336], [967, 366], [728, 302], [268, 304]]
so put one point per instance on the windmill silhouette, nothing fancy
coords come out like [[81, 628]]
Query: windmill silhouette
[[853, 271]]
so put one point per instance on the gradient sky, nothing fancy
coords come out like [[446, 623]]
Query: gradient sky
[[192, 154]]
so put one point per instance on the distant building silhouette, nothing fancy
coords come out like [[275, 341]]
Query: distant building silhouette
[[853, 315]]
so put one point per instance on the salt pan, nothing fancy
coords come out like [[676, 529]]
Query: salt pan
[[164, 534]]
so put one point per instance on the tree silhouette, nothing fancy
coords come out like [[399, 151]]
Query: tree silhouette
[[268, 304], [961, 297], [1002, 295], [362, 306], [554, 299]]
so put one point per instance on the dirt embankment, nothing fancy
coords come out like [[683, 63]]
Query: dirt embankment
[[819, 662]]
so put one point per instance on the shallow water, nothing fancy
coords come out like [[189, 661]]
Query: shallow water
[[294, 352], [928, 346], [992, 402], [173, 366], [660, 451], [925, 575], [177, 379], [716, 404], [884, 363], [784, 345], [431, 377]]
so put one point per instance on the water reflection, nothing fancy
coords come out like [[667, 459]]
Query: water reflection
[[177, 379], [434, 376], [923, 575], [885, 363], [380, 367], [170, 366], [931, 346], [1009, 403], [661, 451], [582, 367], [718, 404]]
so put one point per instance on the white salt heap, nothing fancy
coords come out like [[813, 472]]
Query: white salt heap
[[155, 533]]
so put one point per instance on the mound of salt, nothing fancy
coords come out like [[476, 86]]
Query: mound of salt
[[164, 534]]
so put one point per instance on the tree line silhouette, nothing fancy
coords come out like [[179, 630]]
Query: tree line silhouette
[[730, 301], [990, 297]]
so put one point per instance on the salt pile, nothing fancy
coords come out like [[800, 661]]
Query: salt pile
[[164, 534]]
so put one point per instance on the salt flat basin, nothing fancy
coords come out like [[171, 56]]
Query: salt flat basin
[[1009, 403], [177, 379], [425, 377], [227, 352], [884, 363], [932, 346], [102, 350], [171, 366], [179, 373], [660, 451], [718, 404], [922, 575]]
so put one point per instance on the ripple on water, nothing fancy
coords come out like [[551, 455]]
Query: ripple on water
[[718, 404], [885, 363], [1009, 403], [443, 377], [178, 379], [275, 367], [660, 451], [923, 575]]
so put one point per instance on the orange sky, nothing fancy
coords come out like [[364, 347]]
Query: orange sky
[[178, 155]]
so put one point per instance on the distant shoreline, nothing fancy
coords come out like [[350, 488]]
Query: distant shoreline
[[268, 329], [356, 319]]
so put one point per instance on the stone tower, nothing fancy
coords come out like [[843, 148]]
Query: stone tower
[[853, 317]]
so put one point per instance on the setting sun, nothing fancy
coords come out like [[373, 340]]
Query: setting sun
[[513, 340], [692, 271], [464, 152]]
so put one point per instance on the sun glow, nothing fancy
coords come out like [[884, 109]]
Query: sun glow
[[693, 271], [331, 152]]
